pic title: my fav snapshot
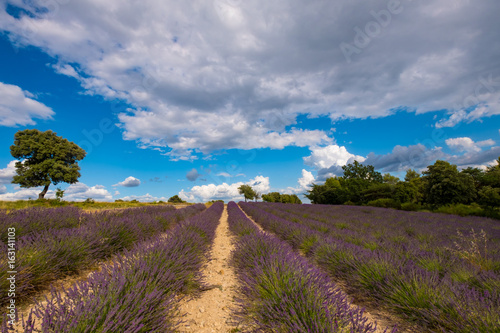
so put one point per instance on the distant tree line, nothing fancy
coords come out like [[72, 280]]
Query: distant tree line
[[284, 198], [440, 185]]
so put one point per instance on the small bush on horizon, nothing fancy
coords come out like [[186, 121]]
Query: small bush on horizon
[[385, 203]]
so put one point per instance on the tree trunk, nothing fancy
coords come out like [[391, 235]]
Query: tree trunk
[[42, 194]]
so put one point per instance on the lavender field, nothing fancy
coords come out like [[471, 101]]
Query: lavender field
[[434, 272], [441, 272]]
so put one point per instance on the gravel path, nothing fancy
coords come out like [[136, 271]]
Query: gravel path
[[213, 310]]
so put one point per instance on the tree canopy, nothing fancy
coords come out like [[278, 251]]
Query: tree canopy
[[248, 192], [45, 158], [440, 185], [445, 184], [284, 198], [176, 199]]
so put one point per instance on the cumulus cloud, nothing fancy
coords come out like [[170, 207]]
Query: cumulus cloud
[[476, 159], [223, 191], [129, 182], [303, 182], [306, 179], [3, 189], [467, 144], [25, 194], [80, 192], [328, 160], [324, 157], [403, 158], [18, 108], [198, 74], [192, 175], [8, 173]]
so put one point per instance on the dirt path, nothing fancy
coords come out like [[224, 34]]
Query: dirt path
[[213, 310]]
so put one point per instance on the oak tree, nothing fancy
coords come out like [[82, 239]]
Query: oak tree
[[45, 158]]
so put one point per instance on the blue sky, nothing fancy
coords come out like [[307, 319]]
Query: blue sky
[[198, 98]]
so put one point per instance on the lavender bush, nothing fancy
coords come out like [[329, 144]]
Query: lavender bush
[[403, 262], [55, 253], [139, 290], [281, 291]]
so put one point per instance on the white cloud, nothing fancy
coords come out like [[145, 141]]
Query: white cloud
[[403, 158], [306, 179], [80, 192], [329, 160], [25, 194], [3, 189], [17, 107], [8, 173], [233, 74], [129, 182], [467, 144], [332, 155], [66, 69], [304, 182], [223, 191]]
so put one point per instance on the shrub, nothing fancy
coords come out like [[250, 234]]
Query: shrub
[[410, 206], [460, 209], [385, 203]]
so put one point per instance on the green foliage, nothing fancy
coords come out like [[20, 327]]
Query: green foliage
[[59, 194], [445, 185], [48, 158], [492, 175], [377, 191], [247, 191], [390, 179], [410, 206], [359, 171], [476, 174], [89, 201], [284, 198], [489, 196], [442, 188], [406, 192], [411, 175], [386, 203], [176, 199]]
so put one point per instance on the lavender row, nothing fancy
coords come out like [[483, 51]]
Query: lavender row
[[139, 291], [53, 254], [436, 301], [38, 219], [281, 291], [429, 231], [409, 239]]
